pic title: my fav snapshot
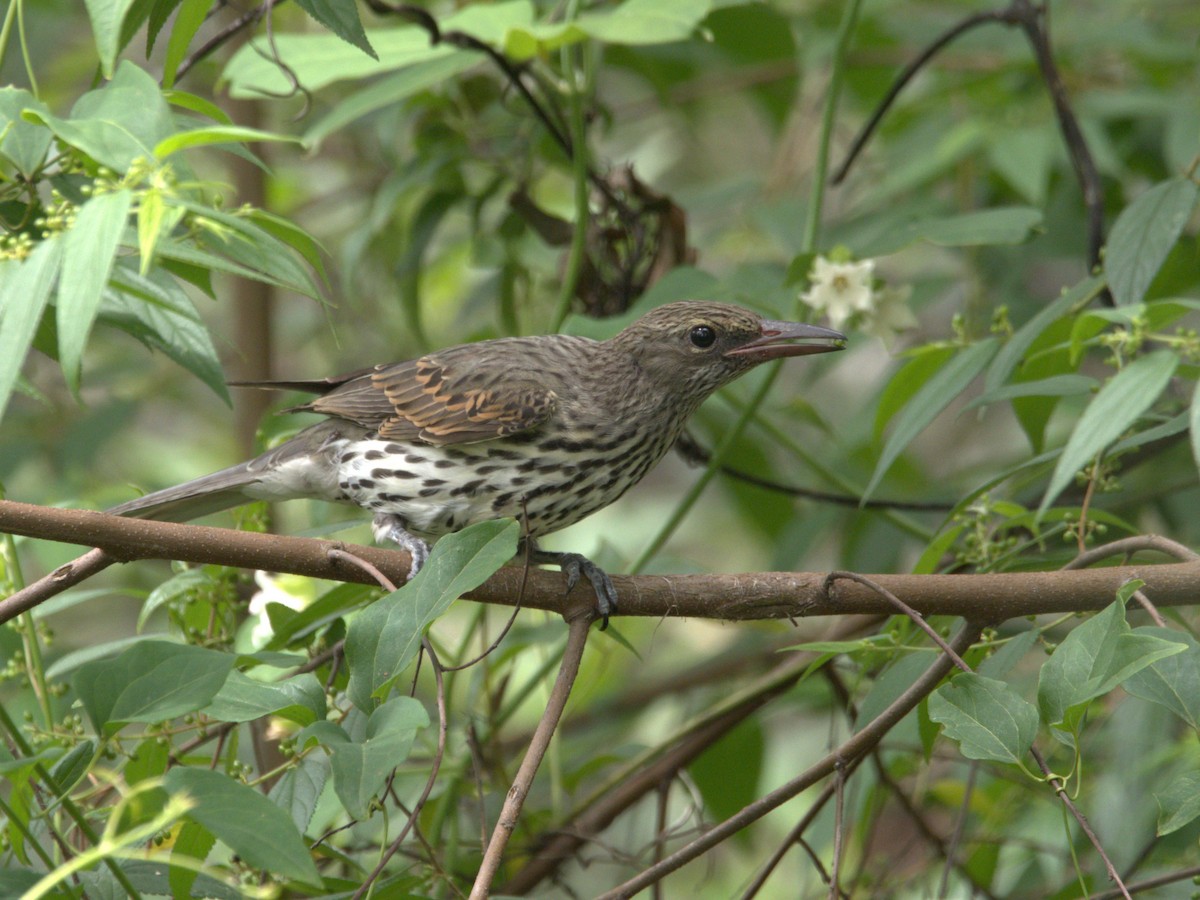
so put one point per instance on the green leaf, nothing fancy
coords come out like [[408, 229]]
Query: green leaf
[[987, 717], [23, 143], [240, 239], [1005, 225], [156, 311], [107, 17], [1093, 659], [244, 820], [1055, 386], [1179, 804], [1006, 658], [634, 22], [73, 765], [1011, 225], [216, 134], [192, 845], [387, 92], [300, 699], [1013, 351], [384, 638], [150, 682], [1173, 681], [1025, 158], [299, 789], [1118, 405], [340, 17], [148, 760], [1144, 234], [179, 584], [118, 123], [728, 771], [361, 768], [923, 364], [24, 292], [192, 14], [939, 392], [89, 249]]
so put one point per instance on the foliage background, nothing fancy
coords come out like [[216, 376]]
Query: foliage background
[[403, 175]]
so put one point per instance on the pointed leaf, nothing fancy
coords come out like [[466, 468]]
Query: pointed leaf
[[23, 143], [360, 769], [340, 17], [108, 17], [1144, 234], [937, 393], [150, 682], [987, 717], [24, 292], [384, 638], [216, 134], [244, 820], [1011, 353], [156, 311], [1173, 681], [88, 252], [1054, 386], [299, 789], [300, 699], [117, 123], [1179, 804], [1118, 405], [1093, 659], [192, 14]]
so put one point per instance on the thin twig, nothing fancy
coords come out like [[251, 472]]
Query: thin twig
[[895, 601], [246, 19], [1031, 18], [694, 453], [906, 75], [1148, 884], [435, 768], [856, 746], [1079, 817], [1131, 545], [960, 827], [577, 631], [839, 809]]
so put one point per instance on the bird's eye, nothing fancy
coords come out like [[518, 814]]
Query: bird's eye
[[702, 336]]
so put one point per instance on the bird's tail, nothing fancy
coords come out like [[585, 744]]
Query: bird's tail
[[194, 499], [300, 467]]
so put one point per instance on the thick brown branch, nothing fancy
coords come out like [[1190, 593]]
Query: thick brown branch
[[762, 595]]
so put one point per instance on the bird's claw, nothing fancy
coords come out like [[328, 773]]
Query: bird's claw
[[575, 565], [387, 527]]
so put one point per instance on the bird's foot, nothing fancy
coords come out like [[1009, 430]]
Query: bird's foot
[[574, 565], [389, 527]]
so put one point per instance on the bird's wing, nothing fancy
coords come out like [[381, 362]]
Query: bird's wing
[[443, 398]]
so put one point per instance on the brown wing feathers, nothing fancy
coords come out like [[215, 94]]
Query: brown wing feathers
[[433, 400]]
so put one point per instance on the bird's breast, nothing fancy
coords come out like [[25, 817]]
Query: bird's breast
[[548, 478]]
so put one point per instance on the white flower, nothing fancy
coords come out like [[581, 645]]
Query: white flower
[[890, 315], [840, 289]]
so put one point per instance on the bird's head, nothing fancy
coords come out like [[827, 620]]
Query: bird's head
[[692, 347]]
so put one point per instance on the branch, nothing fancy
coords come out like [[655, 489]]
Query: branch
[[515, 799], [755, 596], [854, 748]]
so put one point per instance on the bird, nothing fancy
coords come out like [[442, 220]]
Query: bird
[[546, 429]]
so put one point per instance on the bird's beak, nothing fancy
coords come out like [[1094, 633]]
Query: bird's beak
[[780, 339]]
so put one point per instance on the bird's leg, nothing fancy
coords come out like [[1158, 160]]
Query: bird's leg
[[574, 565], [390, 527]]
